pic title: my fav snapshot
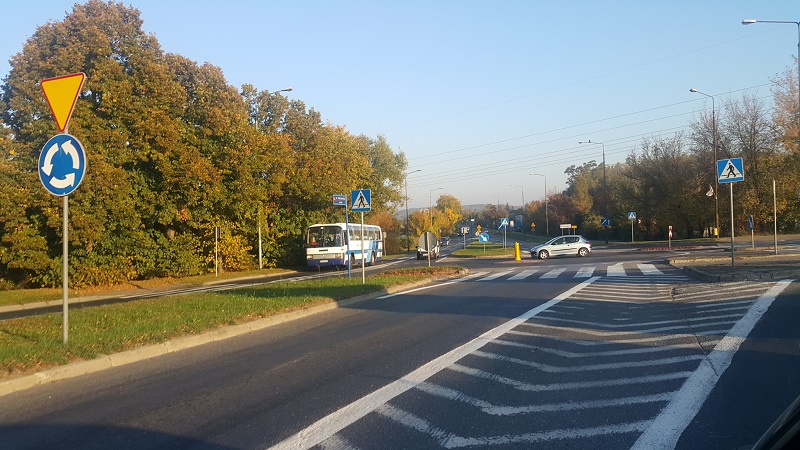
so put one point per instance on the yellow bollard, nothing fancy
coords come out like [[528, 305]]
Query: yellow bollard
[[517, 256]]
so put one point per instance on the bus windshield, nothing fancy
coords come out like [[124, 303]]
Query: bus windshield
[[324, 236]]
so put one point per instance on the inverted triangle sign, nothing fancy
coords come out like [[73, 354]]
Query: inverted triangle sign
[[61, 94]]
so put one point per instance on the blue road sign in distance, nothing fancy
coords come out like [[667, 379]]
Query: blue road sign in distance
[[605, 222], [483, 238], [339, 200], [62, 164], [361, 200], [730, 170], [632, 215]]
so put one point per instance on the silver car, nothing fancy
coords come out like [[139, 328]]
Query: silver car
[[563, 245]]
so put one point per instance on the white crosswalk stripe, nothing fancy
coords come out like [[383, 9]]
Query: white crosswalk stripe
[[616, 270], [522, 275], [638, 272], [649, 269], [553, 273]]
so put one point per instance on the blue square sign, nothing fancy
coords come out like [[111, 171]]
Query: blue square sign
[[730, 170], [361, 200]]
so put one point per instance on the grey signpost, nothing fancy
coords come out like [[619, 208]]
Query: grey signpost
[[362, 201], [730, 171], [62, 162]]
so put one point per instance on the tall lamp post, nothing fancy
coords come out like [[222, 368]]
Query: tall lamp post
[[714, 163], [523, 196], [749, 21], [497, 211], [260, 253], [546, 217], [430, 204], [405, 179], [521, 225], [605, 192]]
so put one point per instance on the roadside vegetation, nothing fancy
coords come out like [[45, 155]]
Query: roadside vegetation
[[34, 343]]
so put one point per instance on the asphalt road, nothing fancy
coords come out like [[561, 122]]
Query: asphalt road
[[600, 352]]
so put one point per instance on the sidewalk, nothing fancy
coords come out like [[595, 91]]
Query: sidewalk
[[753, 267]]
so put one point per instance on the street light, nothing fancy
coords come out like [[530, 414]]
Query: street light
[[497, 211], [260, 257], [430, 203], [714, 164], [605, 193], [749, 21], [546, 217], [523, 196], [405, 180]]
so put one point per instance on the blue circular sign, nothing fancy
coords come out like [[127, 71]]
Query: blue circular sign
[[62, 164], [483, 238]]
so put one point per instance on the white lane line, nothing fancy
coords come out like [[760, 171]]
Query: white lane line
[[496, 275], [505, 410], [522, 275], [346, 416], [679, 413], [523, 386], [468, 277], [553, 273], [450, 440], [570, 369], [642, 324], [569, 354], [615, 271], [584, 272], [649, 269]]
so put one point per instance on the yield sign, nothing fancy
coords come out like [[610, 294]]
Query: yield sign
[[61, 94]]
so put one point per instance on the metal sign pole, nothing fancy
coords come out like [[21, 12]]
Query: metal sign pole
[[775, 215], [363, 259], [733, 261], [347, 233], [65, 268]]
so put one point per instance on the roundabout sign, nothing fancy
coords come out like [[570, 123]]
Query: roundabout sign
[[62, 164]]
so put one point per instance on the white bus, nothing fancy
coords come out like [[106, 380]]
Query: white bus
[[327, 244]]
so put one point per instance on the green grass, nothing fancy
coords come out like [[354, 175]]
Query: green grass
[[477, 250], [34, 343], [25, 296]]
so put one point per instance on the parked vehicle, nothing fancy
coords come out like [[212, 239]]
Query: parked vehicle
[[422, 252], [562, 245], [333, 244]]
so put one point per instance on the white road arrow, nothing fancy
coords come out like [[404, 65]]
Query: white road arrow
[[69, 180], [47, 167], [70, 150]]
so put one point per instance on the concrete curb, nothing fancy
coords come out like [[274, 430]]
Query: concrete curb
[[104, 362]]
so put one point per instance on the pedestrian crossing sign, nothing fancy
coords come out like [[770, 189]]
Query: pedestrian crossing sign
[[361, 200], [730, 170]]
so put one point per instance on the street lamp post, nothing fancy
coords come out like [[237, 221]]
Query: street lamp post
[[714, 163], [521, 225], [260, 253], [749, 21], [405, 179], [497, 211], [523, 196], [546, 217], [605, 192], [430, 204]]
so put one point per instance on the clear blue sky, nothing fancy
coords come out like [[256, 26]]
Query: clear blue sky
[[477, 94]]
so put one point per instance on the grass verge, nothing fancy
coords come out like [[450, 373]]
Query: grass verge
[[34, 343], [478, 250]]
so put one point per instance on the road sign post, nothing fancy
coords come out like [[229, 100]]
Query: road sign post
[[61, 175], [341, 200], [362, 202], [632, 218], [731, 171]]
